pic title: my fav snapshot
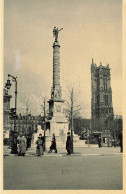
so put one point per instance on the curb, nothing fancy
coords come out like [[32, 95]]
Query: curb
[[62, 155]]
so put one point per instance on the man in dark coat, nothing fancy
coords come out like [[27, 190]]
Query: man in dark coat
[[121, 142], [43, 142], [28, 141], [69, 144], [99, 142]]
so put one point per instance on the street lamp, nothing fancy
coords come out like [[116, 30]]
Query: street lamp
[[44, 122], [72, 118], [14, 136]]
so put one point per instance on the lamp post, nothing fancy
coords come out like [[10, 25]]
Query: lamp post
[[14, 136], [44, 126], [72, 118], [108, 132]]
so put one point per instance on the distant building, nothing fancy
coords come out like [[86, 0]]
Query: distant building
[[101, 102], [27, 124]]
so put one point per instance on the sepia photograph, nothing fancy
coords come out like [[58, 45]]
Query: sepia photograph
[[62, 95]]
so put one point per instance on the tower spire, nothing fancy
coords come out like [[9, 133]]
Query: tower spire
[[92, 61]]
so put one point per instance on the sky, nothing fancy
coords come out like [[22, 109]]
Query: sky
[[91, 29]]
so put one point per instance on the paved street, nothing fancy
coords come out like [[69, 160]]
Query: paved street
[[89, 168]]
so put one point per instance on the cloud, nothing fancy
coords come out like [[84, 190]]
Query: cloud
[[17, 62]]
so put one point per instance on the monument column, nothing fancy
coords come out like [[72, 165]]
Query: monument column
[[56, 64], [57, 119], [56, 89]]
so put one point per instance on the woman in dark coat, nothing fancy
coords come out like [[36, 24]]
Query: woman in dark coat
[[53, 144], [69, 144]]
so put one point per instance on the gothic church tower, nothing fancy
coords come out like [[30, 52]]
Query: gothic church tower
[[101, 101]]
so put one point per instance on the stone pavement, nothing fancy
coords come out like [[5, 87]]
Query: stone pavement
[[78, 151]]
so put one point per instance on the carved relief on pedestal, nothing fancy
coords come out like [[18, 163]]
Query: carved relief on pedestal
[[52, 93], [58, 108], [56, 93]]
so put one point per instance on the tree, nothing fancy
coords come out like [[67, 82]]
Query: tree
[[81, 126], [71, 111], [30, 104], [72, 108], [25, 104], [45, 115], [118, 126]]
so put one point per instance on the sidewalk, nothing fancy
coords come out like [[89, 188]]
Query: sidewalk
[[78, 151]]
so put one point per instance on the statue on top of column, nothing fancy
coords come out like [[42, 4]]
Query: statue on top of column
[[55, 33]]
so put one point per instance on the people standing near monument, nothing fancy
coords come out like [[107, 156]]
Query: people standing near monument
[[22, 145], [39, 149], [69, 144], [43, 143], [53, 144], [42, 139], [18, 148], [28, 141]]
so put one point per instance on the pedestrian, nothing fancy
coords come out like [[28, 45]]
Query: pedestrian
[[69, 144], [22, 145], [121, 142], [18, 148], [28, 141], [53, 144], [112, 143], [39, 150], [42, 141], [99, 142], [115, 142]]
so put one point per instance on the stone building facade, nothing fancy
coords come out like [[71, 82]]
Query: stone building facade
[[101, 100]]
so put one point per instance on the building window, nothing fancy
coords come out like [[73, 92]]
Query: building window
[[97, 100], [110, 110], [106, 99], [105, 82]]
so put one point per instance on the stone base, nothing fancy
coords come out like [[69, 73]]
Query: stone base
[[36, 135]]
